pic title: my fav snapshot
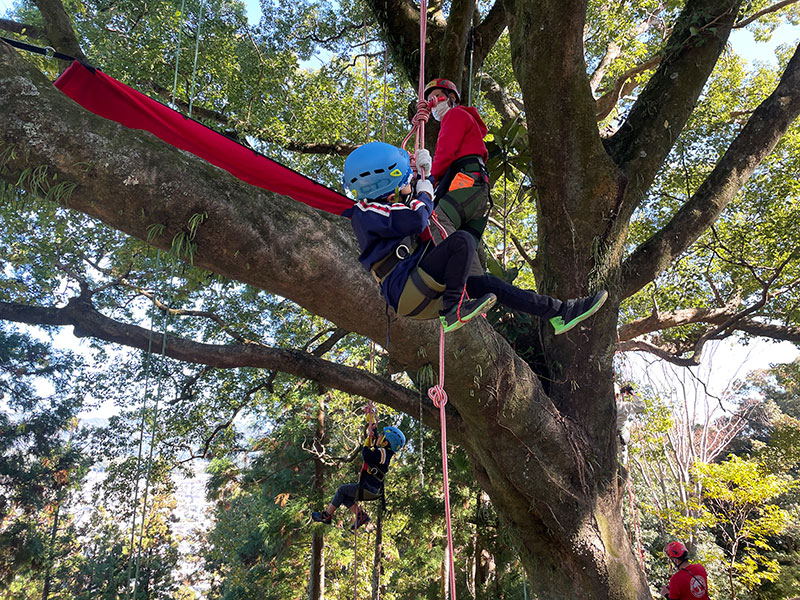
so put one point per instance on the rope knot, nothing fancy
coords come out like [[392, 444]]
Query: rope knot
[[438, 396], [423, 113]]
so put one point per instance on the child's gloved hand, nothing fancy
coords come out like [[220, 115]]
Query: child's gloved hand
[[424, 186], [423, 162]]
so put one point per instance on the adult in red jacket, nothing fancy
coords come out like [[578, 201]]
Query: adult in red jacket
[[459, 164], [690, 582]]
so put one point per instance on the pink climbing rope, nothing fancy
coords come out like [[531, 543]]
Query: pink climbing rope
[[439, 398], [423, 112], [355, 554]]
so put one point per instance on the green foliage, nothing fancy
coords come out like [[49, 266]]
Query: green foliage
[[739, 496]]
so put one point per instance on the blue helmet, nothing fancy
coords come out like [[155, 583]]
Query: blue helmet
[[376, 169], [395, 438]]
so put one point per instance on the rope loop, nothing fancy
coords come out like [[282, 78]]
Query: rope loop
[[438, 396], [423, 113]]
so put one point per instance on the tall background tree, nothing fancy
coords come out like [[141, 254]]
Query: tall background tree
[[645, 178]]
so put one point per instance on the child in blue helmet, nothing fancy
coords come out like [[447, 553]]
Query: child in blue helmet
[[376, 454], [417, 278]]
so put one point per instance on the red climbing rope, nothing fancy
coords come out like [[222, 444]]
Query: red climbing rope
[[439, 398]]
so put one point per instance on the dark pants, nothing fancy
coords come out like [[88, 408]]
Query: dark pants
[[449, 263], [346, 494]]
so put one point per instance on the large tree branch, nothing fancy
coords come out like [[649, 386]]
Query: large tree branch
[[488, 32], [22, 29], [660, 113], [508, 107], [660, 321], [89, 322], [58, 27], [764, 11], [454, 42], [726, 321], [623, 86], [764, 129]]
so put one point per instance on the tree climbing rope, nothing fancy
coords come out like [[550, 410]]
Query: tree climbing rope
[[439, 398], [148, 372], [436, 393], [421, 117], [196, 48], [372, 434], [177, 55]]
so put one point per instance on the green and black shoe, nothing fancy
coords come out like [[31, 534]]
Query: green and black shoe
[[574, 311], [460, 314]]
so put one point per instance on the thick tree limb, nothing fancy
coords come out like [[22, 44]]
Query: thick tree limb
[[764, 129], [644, 140], [58, 28], [88, 322], [488, 32], [31, 31], [508, 107], [665, 320], [623, 86], [765, 11], [454, 43], [613, 50]]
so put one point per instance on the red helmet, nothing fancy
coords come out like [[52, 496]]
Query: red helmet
[[676, 550], [441, 84]]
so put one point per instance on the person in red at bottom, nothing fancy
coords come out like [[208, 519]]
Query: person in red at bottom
[[690, 582]]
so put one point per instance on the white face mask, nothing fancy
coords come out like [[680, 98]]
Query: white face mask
[[440, 109]]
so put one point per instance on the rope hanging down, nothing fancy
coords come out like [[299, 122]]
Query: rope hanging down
[[421, 117], [439, 398], [372, 433]]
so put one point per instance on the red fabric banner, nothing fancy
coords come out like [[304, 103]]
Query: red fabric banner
[[109, 98]]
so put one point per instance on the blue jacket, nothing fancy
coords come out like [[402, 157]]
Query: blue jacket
[[377, 459], [380, 226]]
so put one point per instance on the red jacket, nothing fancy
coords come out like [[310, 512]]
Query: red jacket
[[461, 134], [689, 583]]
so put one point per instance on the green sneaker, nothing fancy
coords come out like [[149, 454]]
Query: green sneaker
[[573, 312], [460, 314]]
